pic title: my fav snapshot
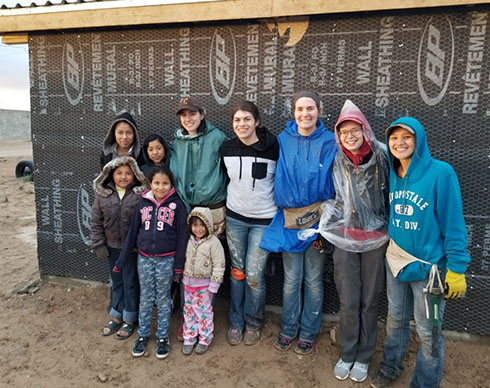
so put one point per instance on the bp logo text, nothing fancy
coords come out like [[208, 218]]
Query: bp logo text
[[222, 64], [84, 212], [73, 71], [435, 59]]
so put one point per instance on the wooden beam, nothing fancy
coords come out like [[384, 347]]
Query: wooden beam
[[10, 21], [18, 38]]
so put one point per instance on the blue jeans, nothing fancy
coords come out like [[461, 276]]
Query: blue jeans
[[156, 275], [405, 298], [125, 288], [247, 294], [308, 265]]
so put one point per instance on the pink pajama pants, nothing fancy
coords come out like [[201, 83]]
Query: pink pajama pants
[[198, 317]]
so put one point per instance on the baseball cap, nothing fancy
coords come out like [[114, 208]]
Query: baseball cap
[[401, 125], [191, 103]]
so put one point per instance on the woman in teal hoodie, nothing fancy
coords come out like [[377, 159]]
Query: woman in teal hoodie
[[427, 230]]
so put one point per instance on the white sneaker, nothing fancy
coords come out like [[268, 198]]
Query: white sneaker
[[342, 369], [359, 372]]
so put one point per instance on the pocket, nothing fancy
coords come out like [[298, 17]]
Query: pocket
[[414, 272], [259, 170]]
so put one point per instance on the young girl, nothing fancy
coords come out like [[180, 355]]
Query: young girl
[[155, 153], [158, 231], [427, 233], [250, 161], [203, 273], [122, 139], [118, 189], [196, 165]]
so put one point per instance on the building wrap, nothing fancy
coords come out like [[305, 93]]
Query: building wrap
[[427, 64]]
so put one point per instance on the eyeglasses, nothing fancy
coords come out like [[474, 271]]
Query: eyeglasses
[[353, 132]]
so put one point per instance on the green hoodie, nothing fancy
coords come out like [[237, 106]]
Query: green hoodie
[[196, 164]]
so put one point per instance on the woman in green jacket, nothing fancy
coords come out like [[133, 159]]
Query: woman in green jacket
[[196, 162]]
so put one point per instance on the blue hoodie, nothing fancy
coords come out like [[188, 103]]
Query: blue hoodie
[[303, 177], [426, 211]]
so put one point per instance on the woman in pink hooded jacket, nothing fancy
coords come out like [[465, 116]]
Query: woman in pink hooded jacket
[[355, 222]]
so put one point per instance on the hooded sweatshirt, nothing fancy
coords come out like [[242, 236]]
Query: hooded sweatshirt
[[303, 177], [148, 163], [111, 216], [357, 219], [426, 211], [196, 164], [205, 258], [109, 145], [251, 170], [158, 229]]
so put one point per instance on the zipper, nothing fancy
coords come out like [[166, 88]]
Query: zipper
[[154, 231]]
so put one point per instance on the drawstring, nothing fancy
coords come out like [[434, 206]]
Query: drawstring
[[253, 183], [240, 174]]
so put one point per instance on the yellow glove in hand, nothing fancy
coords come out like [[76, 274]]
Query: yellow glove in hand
[[455, 284]]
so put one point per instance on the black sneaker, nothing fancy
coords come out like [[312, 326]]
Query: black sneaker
[[162, 348], [380, 381], [282, 343], [139, 346], [303, 347]]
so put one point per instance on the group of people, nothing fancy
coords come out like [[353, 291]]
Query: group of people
[[161, 213]]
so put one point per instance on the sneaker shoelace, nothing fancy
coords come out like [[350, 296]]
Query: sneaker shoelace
[[285, 340], [304, 344]]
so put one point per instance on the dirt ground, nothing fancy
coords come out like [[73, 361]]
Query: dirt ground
[[49, 335]]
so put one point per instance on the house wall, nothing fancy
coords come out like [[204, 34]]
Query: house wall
[[428, 64]]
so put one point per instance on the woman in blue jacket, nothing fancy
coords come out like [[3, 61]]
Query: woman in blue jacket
[[427, 232], [303, 181]]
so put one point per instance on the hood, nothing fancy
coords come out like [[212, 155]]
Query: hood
[[208, 127], [104, 185], [421, 156], [292, 129], [266, 140], [166, 158], [110, 138], [205, 216], [350, 112]]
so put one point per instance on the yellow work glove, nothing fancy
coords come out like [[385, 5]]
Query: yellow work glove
[[455, 284]]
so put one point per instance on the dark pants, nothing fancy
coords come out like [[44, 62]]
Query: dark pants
[[125, 289], [359, 278]]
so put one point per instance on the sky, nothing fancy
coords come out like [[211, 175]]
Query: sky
[[14, 73], [14, 77]]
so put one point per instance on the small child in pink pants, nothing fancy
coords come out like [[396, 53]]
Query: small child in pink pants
[[203, 274]]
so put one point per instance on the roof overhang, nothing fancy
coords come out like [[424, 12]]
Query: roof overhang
[[80, 16]]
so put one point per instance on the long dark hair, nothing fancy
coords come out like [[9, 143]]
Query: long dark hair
[[161, 140]]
